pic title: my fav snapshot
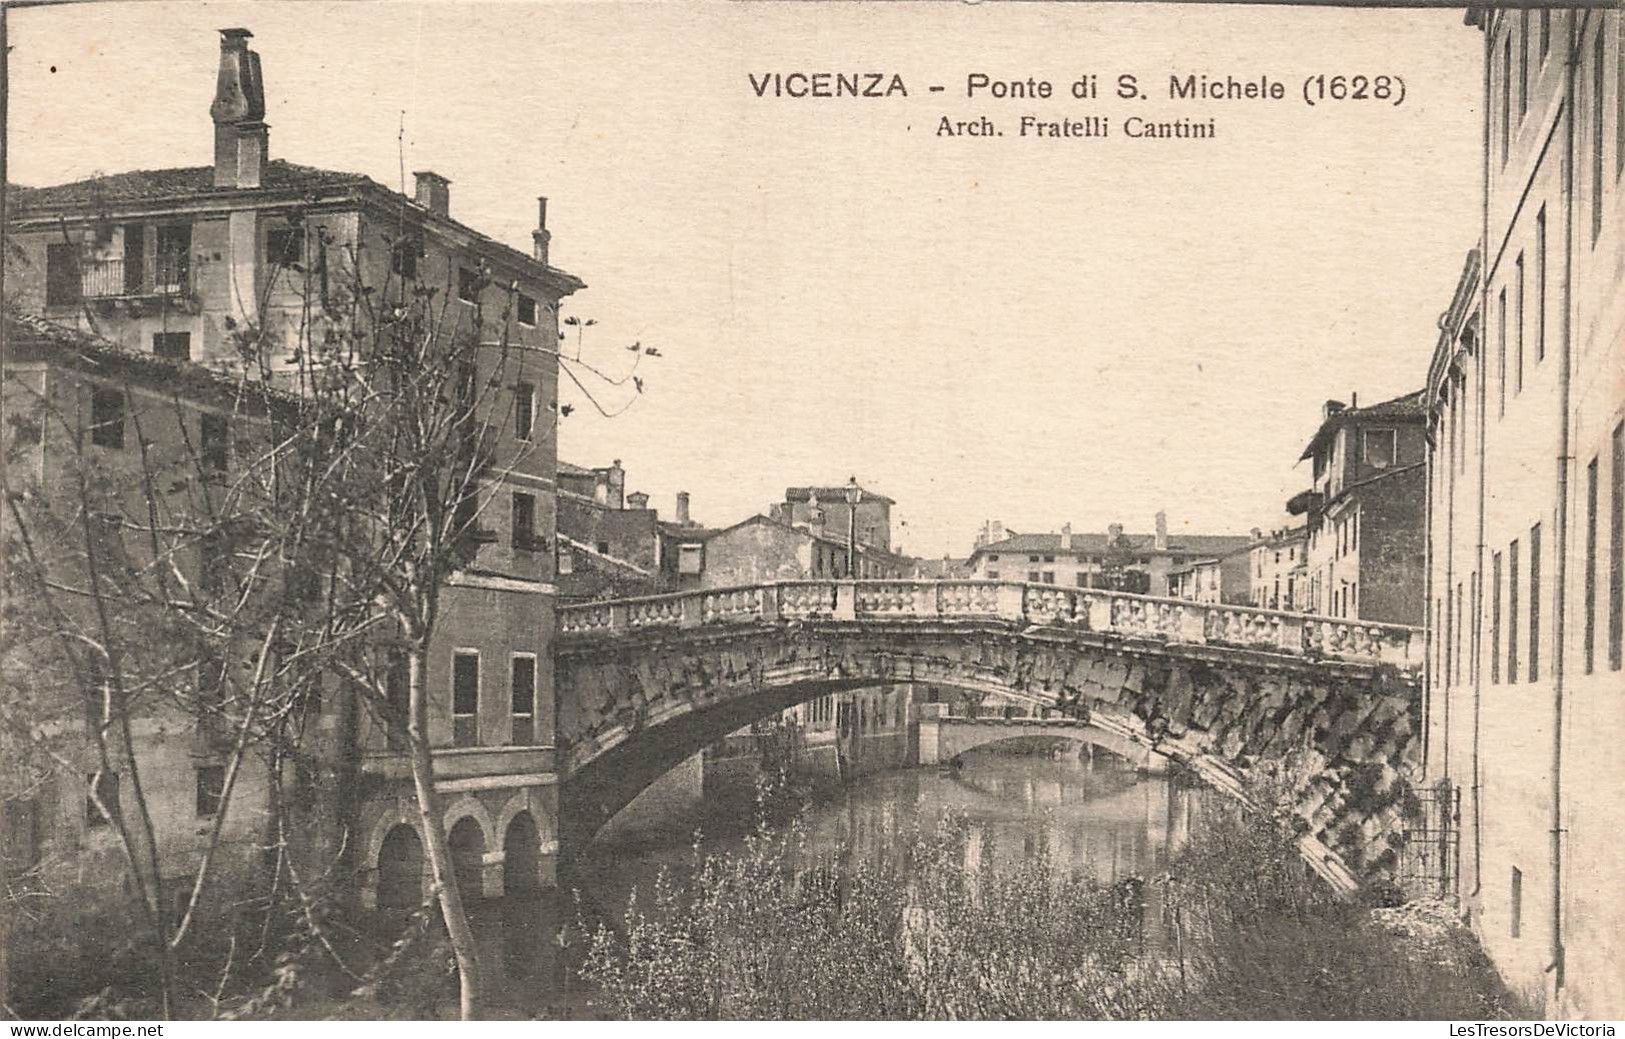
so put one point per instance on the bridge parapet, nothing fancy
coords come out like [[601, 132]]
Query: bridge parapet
[[1171, 621]]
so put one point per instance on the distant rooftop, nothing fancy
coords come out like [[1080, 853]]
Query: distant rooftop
[[1095, 544], [832, 494], [1405, 408]]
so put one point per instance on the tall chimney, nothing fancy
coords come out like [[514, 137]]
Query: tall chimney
[[541, 236], [241, 137], [682, 508], [1066, 535], [433, 192], [1162, 531]]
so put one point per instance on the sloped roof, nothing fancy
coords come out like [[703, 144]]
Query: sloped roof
[[832, 494], [28, 337], [1096, 544], [1410, 406], [175, 182]]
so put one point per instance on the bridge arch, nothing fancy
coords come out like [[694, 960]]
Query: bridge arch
[[1213, 691]]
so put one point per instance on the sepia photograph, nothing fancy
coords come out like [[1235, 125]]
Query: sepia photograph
[[831, 511]]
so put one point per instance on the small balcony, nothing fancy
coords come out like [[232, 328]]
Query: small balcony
[[117, 282]]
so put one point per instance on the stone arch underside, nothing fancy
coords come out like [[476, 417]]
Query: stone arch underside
[[962, 737], [1346, 736]]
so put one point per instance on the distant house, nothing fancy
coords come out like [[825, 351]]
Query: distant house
[[1090, 560]]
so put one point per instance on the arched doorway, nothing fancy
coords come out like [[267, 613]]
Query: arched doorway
[[468, 858], [522, 854], [400, 869]]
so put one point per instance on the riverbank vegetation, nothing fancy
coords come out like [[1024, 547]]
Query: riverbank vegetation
[[1234, 927]]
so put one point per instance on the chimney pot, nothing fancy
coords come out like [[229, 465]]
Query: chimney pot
[[637, 501], [541, 237], [1162, 531], [432, 192], [682, 508], [241, 138]]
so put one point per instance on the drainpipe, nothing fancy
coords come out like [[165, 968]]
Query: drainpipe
[[1428, 677], [1560, 592], [1481, 378]]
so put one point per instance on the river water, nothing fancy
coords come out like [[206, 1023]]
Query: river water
[[1089, 816]]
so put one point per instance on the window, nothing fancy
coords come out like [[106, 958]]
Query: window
[[1049, 559], [1472, 640], [214, 435], [1534, 603], [284, 246], [465, 698], [1540, 285], [690, 559], [1032, 559], [1501, 353], [211, 788], [107, 418], [524, 521], [211, 560], [1082, 579], [1379, 452], [1597, 95], [1518, 316], [1495, 619], [993, 557], [1591, 569], [1616, 548], [174, 273], [1049, 577], [172, 346], [602, 548], [468, 285], [1506, 97], [567, 562], [1512, 613], [1515, 903], [992, 575], [103, 787], [527, 311], [1545, 32], [1033, 576], [62, 286], [397, 701], [1523, 61], [524, 410], [524, 700], [404, 255]]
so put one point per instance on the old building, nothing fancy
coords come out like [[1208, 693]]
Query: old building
[[1094, 560], [829, 509], [1217, 579], [1526, 465], [1364, 512], [1278, 568], [244, 265]]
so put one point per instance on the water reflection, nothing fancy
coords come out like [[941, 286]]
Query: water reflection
[[1089, 817]]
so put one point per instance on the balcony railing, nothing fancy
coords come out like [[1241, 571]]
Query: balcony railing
[[1145, 617], [114, 278]]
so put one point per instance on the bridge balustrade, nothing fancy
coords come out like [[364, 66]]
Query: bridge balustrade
[[1172, 621]]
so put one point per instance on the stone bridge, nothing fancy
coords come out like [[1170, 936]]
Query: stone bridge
[[644, 683], [941, 737]]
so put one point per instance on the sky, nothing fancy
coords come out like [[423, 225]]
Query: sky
[[1038, 332]]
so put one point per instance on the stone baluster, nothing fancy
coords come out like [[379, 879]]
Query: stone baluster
[[1290, 634], [619, 623], [1100, 612]]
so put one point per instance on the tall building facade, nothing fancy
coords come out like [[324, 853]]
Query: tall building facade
[[1363, 515], [1526, 468], [175, 265]]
